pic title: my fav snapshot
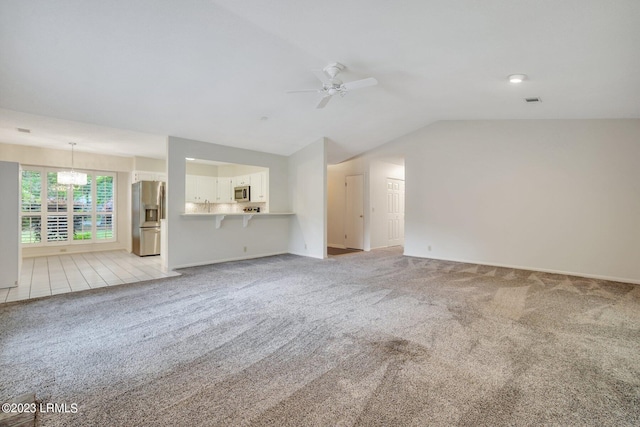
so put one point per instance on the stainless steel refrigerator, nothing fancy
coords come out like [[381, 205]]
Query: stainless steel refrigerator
[[147, 208]]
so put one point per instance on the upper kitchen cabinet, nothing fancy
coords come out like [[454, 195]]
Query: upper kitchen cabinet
[[137, 176], [200, 182], [258, 183], [241, 180], [215, 182], [225, 190], [200, 189]]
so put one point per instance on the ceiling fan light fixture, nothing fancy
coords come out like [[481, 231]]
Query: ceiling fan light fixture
[[332, 85], [517, 78], [72, 177]]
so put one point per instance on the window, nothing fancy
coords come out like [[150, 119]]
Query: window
[[31, 206], [104, 207], [53, 214]]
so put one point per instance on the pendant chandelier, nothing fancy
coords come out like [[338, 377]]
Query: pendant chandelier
[[72, 177]]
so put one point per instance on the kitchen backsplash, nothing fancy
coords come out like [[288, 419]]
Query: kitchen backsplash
[[192, 208]]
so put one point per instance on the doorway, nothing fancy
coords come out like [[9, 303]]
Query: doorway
[[395, 212], [354, 215]]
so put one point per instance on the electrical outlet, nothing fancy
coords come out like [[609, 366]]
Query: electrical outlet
[[429, 248], [305, 246], [245, 249]]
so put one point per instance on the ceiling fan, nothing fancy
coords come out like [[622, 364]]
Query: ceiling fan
[[332, 85]]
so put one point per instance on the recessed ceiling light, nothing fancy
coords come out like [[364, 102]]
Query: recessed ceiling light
[[191, 159], [517, 78]]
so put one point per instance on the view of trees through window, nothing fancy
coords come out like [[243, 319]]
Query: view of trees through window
[[59, 213]]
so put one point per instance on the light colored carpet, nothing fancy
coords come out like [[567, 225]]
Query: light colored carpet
[[361, 340]]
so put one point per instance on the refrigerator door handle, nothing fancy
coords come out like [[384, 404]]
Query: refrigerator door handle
[[162, 196]]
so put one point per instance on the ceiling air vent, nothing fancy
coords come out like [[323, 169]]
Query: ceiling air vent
[[536, 99], [23, 130]]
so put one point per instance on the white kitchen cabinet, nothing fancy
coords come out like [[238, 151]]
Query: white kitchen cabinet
[[241, 180], [258, 182], [200, 189], [137, 176], [207, 188], [224, 190]]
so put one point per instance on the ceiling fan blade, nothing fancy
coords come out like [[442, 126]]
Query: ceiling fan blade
[[325, 99], [302, 91], [322, 76], [358, 84]]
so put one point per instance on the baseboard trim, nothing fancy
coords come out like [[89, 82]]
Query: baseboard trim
[[80, 248], [542, 270], [306, 255], [218, 261], [335, 245]]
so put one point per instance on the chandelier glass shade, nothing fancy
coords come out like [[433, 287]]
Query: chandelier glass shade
[[72, 177]]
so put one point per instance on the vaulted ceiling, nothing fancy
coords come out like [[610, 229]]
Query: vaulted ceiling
[[118, 76]]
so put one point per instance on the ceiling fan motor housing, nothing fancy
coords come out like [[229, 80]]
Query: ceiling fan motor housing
[[333, 69]]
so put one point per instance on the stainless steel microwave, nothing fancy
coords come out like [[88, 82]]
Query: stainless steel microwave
[[242, 194]]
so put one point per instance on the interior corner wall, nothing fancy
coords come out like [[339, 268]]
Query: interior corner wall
[[308, 187], [123, 213], [550, 195], [194, 240]]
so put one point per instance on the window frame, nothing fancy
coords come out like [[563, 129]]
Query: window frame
[[44, 214]]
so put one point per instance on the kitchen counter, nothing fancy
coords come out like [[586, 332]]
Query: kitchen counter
[[246, 216], [235, 213]]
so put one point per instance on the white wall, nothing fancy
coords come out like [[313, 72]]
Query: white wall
[[195, 240], [38, 156], [201, 169], [308, 186], [10, 255], [149, 165], [552, 195]]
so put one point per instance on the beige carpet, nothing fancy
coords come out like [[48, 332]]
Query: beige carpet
[[361, 340]]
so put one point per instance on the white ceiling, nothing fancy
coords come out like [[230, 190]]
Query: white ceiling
[[121, 75]]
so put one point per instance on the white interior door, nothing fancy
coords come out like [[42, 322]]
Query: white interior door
[[395, 212], [354, 218]]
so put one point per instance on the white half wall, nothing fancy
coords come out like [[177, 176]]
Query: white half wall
[[10, 252], [194, 240], [549, 195], [308, 186]]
